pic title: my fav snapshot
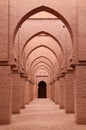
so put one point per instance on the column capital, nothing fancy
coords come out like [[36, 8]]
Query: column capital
[[22, 74], [14, 69]]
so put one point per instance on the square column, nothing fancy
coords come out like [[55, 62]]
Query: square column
[[69, 92], [61, 92], [80, 94], [22, 83], [5, 95], [53, 91], [31, 88], [57, 85], [27, 92], [16, 92]]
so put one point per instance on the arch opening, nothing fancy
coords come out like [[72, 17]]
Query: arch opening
[[42, 90], [37, 10]]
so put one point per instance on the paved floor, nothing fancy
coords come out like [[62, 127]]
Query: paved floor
[[43, 114]]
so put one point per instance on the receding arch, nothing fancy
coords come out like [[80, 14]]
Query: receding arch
[[37, 69], [39, 9], [45, 69], [39, 47], [42, 57], [42, 62], [42, 67], [43, 32]]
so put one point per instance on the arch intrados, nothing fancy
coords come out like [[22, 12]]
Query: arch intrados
[[42, 69], [42, 62], [39, 47], [37, 69], [41, 66], [43, 32], [40, 58], [37, 62], [39, 9]]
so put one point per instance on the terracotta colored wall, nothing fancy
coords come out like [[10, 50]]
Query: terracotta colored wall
[[69, 92], [5, 95], [81, 30], [80, 94], [3, 30]]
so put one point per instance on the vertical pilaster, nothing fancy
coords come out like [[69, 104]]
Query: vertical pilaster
[[57, 85], [69, 92], [5, 95], [31, 91], [22, 81], [26, 92], [53, 91], [16, 93], [61, 92], [80, 94]]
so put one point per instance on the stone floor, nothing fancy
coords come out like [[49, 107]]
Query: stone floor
[[43, 114]]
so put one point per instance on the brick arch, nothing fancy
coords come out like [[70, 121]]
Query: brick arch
[[39, 9], [37, 69], [42, 57], [44, 63], [45, 47], [42, 67], [47, 33]]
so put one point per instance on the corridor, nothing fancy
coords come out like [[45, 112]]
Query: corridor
[[42, 65], [43, 114]]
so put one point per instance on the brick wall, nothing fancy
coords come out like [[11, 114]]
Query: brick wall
[[69, 92], [80, 94], [3, 30], [5, 95]]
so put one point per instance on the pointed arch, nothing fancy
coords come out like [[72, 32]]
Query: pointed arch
[[43, 32], [39, 9], [42, 57]]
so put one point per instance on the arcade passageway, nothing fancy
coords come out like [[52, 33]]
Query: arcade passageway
[[42, 64]]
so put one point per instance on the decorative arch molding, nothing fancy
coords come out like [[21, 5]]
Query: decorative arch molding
[[39, 9]]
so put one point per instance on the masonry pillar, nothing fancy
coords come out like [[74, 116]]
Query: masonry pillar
[[53, 87], [48, 91], [31, 91], [22, 80], [27, 91], [69, 92], [61, 92], [53, 91], [57, 86], [80, 93], [5, 95], [16, 93]]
